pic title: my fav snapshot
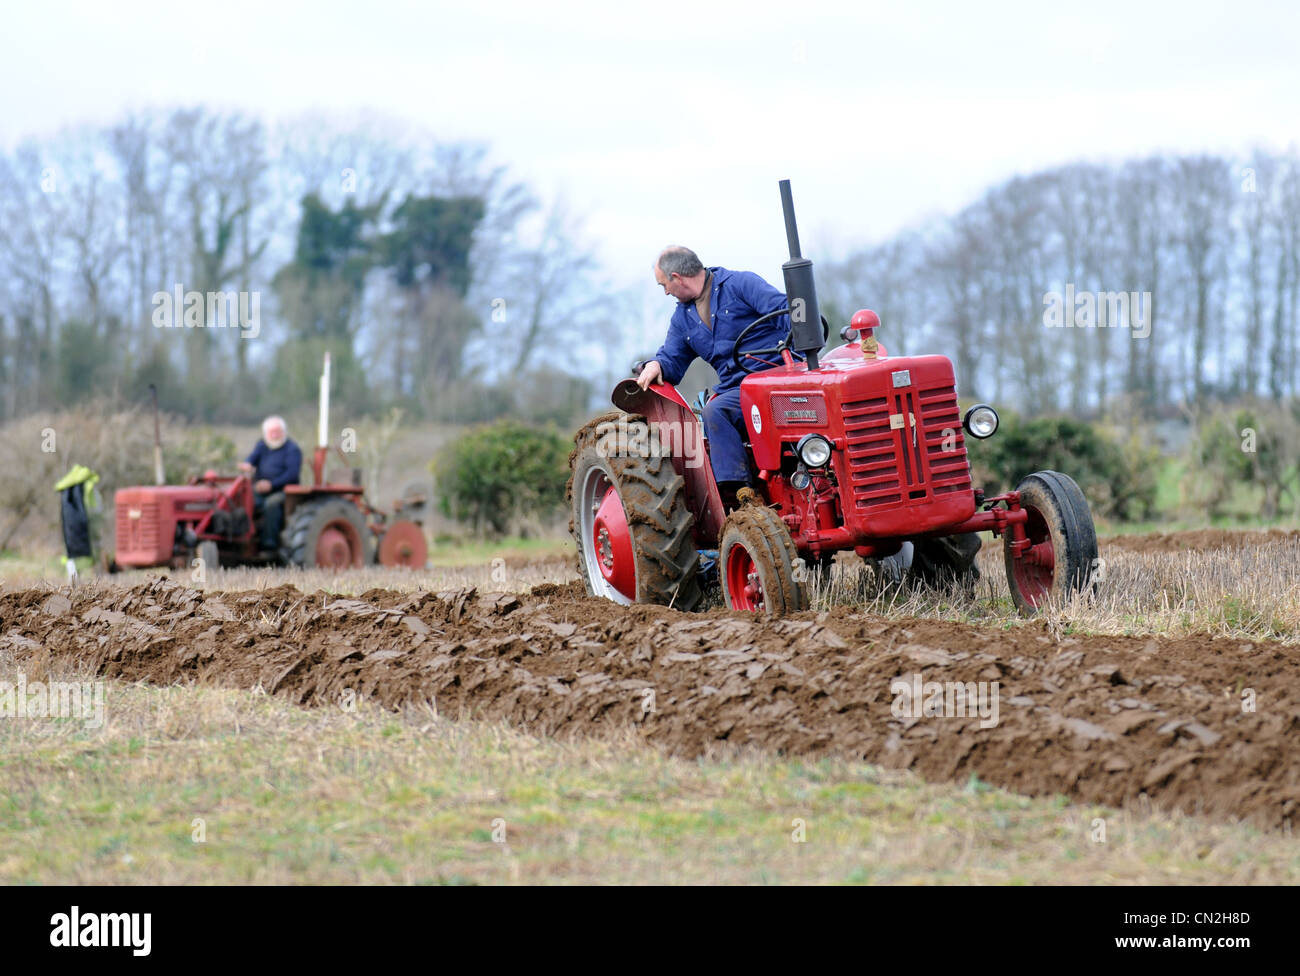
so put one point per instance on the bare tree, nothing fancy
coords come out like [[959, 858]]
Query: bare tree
[[1203, 187], [554, 290], [222, 161], [1282, 358]]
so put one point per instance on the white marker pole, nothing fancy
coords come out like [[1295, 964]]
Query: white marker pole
[[323, 436]]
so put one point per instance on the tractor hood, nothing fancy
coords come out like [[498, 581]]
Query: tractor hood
[[899, 446]]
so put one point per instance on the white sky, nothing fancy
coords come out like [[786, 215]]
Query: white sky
[[673, 122]]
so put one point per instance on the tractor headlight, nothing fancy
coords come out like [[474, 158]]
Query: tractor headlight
[[814, 450], [981, 421], [800, 480]]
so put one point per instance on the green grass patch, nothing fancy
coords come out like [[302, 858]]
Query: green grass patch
[[212, 786]]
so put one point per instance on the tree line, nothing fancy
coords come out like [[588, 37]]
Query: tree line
[[431, 274], [128, 253], [1183, 274]]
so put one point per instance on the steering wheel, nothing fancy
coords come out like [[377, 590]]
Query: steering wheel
[[781, 347]]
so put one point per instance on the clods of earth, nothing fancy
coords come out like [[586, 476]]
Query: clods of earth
[[1201, 725]]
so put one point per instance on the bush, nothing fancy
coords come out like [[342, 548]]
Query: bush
[[194, 453], [1256, 445], [1118, 476], [37, 450], [494, 476]]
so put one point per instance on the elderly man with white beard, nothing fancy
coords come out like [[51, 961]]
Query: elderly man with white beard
[[276, 461]]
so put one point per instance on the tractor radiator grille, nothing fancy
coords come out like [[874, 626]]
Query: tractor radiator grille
[[137, 533], [906, 448]]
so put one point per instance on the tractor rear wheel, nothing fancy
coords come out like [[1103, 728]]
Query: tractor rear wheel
[[329, 533], [757, 564], [1062, 543], [629, 516]]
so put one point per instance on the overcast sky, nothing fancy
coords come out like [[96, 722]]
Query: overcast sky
[[673, 122]]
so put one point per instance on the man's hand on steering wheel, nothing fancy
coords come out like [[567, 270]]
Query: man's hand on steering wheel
[[780, 347]]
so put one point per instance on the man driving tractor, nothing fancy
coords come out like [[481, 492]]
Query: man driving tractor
[[276, 461], [714, 306]]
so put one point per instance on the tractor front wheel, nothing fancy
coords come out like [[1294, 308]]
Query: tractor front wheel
[[629, 516], [329, 533], [1058, 551], [403, 544], [757, 564]]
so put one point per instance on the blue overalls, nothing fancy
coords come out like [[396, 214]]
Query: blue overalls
[[737, 299]]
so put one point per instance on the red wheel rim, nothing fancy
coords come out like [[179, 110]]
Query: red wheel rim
[[338, 546], [744, 586], [1034, 567], [403, 545], [612, 540]]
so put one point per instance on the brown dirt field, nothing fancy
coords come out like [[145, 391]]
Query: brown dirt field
[[1198, 539], [1097, 719]]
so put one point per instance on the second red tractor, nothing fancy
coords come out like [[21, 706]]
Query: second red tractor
[[327, 525]]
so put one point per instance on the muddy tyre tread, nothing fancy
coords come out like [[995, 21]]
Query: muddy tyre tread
[[296, 536], [654, 501], [761, 530]]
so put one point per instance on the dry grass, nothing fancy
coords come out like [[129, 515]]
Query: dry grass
[[507, 572], [1250, 592], [506, 575], [326, 796], [289, 795]]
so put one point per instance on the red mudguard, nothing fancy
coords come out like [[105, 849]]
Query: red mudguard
[[679, 427]]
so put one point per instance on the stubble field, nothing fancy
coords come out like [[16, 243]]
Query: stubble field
[[491, 723]]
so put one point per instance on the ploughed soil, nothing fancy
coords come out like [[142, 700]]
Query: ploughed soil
[[1198, 539], [1098, 719]]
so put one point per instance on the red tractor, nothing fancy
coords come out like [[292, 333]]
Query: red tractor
[[853, 450], [326, 524]]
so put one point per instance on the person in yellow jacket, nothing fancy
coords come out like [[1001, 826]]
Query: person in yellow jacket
[[79, 510]]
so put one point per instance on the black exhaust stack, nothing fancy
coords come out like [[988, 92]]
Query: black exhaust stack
[[805, 314]]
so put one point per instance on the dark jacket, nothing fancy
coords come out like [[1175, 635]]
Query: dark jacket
[[280, 466], [738, 297]]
